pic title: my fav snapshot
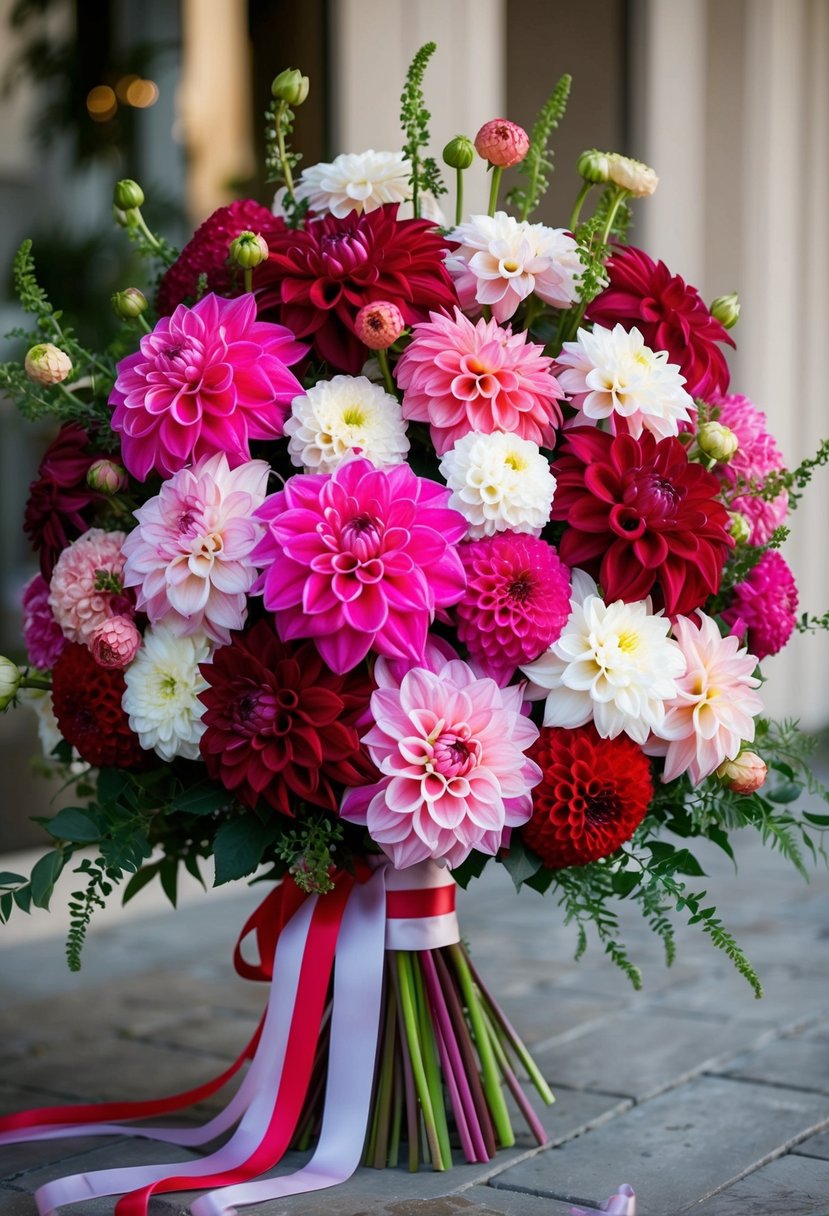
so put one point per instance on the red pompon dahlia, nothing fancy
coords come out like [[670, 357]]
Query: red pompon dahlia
[[60, 503], [642, 518], [593, 795], [206, 254], [764, 606], [669, 314], [281, 726], [516, 603], [318, 278], [86, 699]]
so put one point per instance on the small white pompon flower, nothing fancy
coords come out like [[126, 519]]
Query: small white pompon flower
[[162, 694], [345, 417], [356, 181], [499, 482]]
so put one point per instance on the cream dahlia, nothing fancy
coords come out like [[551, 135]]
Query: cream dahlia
[[342, 418], [162, 694], [499, 483], [356, 181], [87, 584]]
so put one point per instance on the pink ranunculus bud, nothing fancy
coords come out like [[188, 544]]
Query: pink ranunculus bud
[[378, 325], [502, 143], [107, 476], [115, 642], [745, 774]]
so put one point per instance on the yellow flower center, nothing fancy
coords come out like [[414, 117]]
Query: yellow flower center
[[628, 642], [353, 416], [515, 462]]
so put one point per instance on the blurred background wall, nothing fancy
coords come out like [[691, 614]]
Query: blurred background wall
[[727, 99]]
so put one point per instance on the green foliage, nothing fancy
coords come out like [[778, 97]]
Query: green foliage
[[811, 624], [740, 564], [309, 851], [414, 118], [280, 159], [794, 481], [538, 162]]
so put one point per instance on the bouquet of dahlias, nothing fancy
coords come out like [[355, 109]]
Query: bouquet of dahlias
[[379, 547]]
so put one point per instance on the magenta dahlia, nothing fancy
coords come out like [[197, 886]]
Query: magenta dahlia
[[280, 726], [208, 379], [756, 457], [318, 278], [669, 314], [60, 503], [42, 634], [360, 560], [764, 606], [641, 518], [516, 603]]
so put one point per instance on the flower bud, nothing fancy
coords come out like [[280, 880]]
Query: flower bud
[[127, 195], [594, 166], [249, 249], [107, 476], [744, 775], [378, 325], [115, 642], [502, 143], [716, 441], [47, 364], [739, 527], [726, 310], [124, 219], [129, 304], [290, 86], [459, 153], [632, 175], [10, 680]]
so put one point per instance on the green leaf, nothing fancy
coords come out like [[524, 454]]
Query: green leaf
[[7, 879], [473, 867], [6, 905], [75, 824], [112, 782], [542, 881], [786, 792], [23, 898], [44, 876], [720, 838], [661, 850], [625, 881], [168, 873], [684, 862], [239, 846], [139, 881], [201, 799], [191, 865], [520, 862], [820, 821]]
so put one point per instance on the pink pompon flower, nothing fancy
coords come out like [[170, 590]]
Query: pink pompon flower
[[764, 606], [360, 560], [190, 556], [451, 749], [715, 706], [42, 634], [207, 379], [115, 642], [378, 325], [756, 457], [502, 143], [87, 584], [461, 377]]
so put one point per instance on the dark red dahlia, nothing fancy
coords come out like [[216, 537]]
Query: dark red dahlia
[[87, 702], [594, 794], [669, 314], [60, 503], [281, 725], [318, 278], [206, 253], [642, 518]]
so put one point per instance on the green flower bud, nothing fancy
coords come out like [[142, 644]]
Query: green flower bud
[[459, 153], [740, 527], [125, 219], [290, 86], [107, 476], [716, 441], [248, 250], [128, 195], [726, 310], [47, 364], [10, 680], [129, 304], [594, 166]]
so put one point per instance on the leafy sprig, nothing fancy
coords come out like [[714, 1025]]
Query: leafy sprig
[[414, 118], [538, 162]]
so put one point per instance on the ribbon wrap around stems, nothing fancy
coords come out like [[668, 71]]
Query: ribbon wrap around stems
[[298, 939]]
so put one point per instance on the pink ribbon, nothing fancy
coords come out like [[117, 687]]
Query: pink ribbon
[[622, 1203]]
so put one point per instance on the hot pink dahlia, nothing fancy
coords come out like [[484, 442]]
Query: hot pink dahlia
[[190, 556], [460, 377], [764, 606], [60, 503], [756, 457], [516, 604], [360, 560], [87, 584], [318, 278], [42, 634], [207, 379], [450, 746], [669, 314], [640, 516]]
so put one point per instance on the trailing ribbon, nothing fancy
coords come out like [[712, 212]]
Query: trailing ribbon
[[621, 1203]]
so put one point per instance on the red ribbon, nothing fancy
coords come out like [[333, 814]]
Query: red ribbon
[[415, 904]]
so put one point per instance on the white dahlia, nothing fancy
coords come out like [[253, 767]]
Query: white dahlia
[[356, 181], [161, 698], [615, 663], [499, 482], [342, 418]]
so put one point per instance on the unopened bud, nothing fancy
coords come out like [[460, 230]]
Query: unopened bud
[[115, 642], [502, 143], [459, 153], [716, 441], [107, 476], [125, 219], [632, 175], [47, 364], [726, 310], [744, 775], [129, 304], [594, 166], [379, 325], [248, 250], [739, 527], [290, 86], [10, 680], [127, 195]]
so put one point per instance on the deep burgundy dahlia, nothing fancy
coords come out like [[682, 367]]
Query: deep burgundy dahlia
[[206, 253], [86, 699], [670, 315], [281, 726], [318, 278], [60, 503], [642, 518], [594, 794]]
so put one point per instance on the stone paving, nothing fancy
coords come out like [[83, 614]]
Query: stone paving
[[704, 1099]]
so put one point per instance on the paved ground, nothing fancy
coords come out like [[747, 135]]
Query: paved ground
[[702, 1098]]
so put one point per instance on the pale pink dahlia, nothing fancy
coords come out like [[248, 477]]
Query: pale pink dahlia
[[764, 606], [461, 377], [115, 642], [360, 560], [516, 604], [713, 713], [42, 635], [207, 379], [450, 746], [190, 556], [87, 584], [757, 455], [502, 143]]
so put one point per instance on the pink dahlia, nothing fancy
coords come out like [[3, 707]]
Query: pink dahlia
[[360, 560], [715, 706], [516, 603], [190, 556], [115, 642], [87, 584], [320, 277], [502, 143], [450, 746], [669, 314], [756, 457], [207, 379], [764, 606], [42, 634], [460, 377], [60, 503]]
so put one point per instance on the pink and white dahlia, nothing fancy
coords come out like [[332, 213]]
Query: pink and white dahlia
[[42, 635], [360, 560], [756, 457], [461, 377], [450, 749], [356, 181], [190, 557], [500, 261], [516, 603], [87, 584], [764, 606], [715, 705], [207, 379]]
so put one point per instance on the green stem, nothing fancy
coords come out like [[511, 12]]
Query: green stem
[[418, 1071], [36, 682], [379, 1149], [619, 198], [142, 227], [283, 155], [489, 1069], [248, 280], [459, 196], [396, 1117], [577, 206], [385, 368], [431, 1066], [145, 325], [494, 188]]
